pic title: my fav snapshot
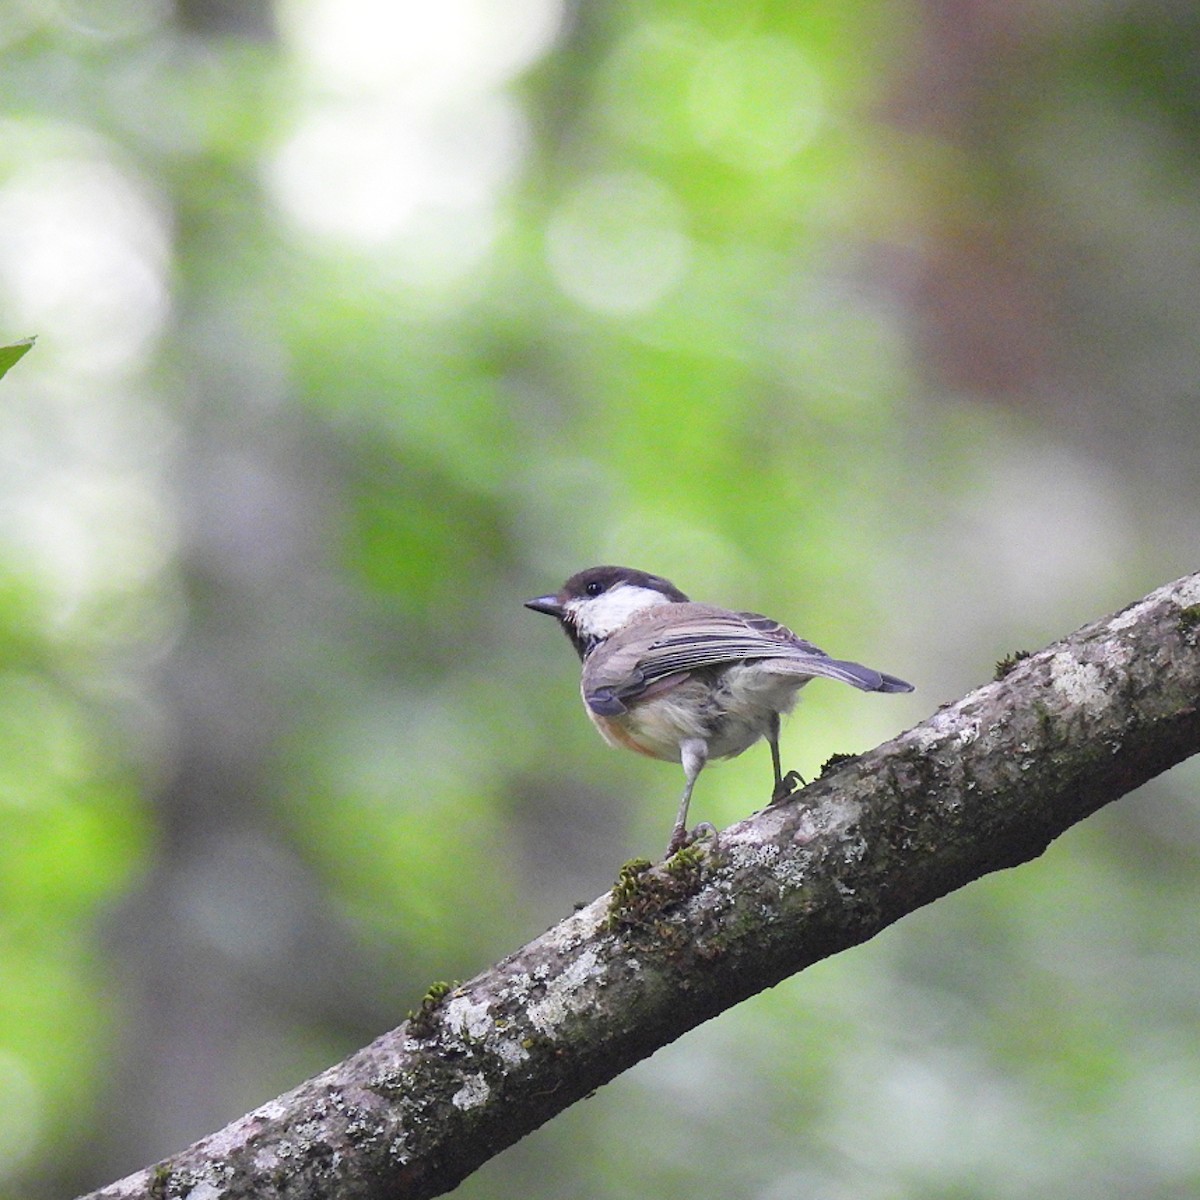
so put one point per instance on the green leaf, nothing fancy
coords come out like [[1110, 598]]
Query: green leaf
[[11, 355]]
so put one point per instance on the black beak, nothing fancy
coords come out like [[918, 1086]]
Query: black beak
[[546, 604]]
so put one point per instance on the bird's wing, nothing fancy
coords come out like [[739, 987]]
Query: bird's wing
[[675, 640]]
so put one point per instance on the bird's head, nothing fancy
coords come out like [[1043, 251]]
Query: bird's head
[[594, 604]]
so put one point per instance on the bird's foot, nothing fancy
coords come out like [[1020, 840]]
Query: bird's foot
[[787, 786], [680, 837]]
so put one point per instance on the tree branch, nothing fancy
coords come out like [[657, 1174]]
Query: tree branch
[[982, 784]]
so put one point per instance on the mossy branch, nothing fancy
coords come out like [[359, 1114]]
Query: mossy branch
[[982, 784]]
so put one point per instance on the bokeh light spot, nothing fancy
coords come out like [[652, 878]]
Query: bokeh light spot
[[756, 102], [618, 243]]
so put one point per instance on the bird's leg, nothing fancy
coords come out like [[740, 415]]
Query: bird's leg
[[693, 754], [785, 785]]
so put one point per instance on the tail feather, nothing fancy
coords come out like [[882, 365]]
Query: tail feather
[[852, 673]]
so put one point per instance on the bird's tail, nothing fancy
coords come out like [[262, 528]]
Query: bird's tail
[[852, 673]]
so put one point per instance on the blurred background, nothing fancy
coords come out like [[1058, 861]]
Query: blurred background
[[361, 322]]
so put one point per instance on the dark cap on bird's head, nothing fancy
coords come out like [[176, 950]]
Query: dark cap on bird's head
[[595, 581]]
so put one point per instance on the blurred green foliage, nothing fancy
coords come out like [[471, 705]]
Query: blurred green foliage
[[361, 323]]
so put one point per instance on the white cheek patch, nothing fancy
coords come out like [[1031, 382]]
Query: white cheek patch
[[599, 616]]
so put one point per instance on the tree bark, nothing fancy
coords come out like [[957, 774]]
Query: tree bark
[[983, 784]]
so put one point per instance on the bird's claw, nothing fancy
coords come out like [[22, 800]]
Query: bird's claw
[[682, 838], [787, 786]]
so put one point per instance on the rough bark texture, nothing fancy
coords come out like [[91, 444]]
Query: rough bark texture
[[983, 784]]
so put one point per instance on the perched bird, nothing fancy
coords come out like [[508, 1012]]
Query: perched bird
[[688, 682]]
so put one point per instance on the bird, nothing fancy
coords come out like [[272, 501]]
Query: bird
[[688, 682]]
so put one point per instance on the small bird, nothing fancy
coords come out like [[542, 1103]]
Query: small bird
[[687, 682]]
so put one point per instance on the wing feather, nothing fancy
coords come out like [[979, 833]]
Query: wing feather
[[674, 642]]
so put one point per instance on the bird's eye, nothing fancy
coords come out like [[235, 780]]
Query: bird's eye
[[594, 588]]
